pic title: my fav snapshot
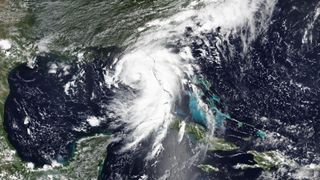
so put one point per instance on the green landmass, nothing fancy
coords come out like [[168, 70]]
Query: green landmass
[[208, 168], [265, 160], [199, 133], [219, 144], [89, 156]]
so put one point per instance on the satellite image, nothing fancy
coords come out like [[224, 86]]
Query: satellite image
[[159, 89]]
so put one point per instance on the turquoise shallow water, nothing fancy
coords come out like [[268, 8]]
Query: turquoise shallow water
[[198, 114], [220, 117]]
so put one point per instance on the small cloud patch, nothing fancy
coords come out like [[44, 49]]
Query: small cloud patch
[[93, 121], [5, 44]]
